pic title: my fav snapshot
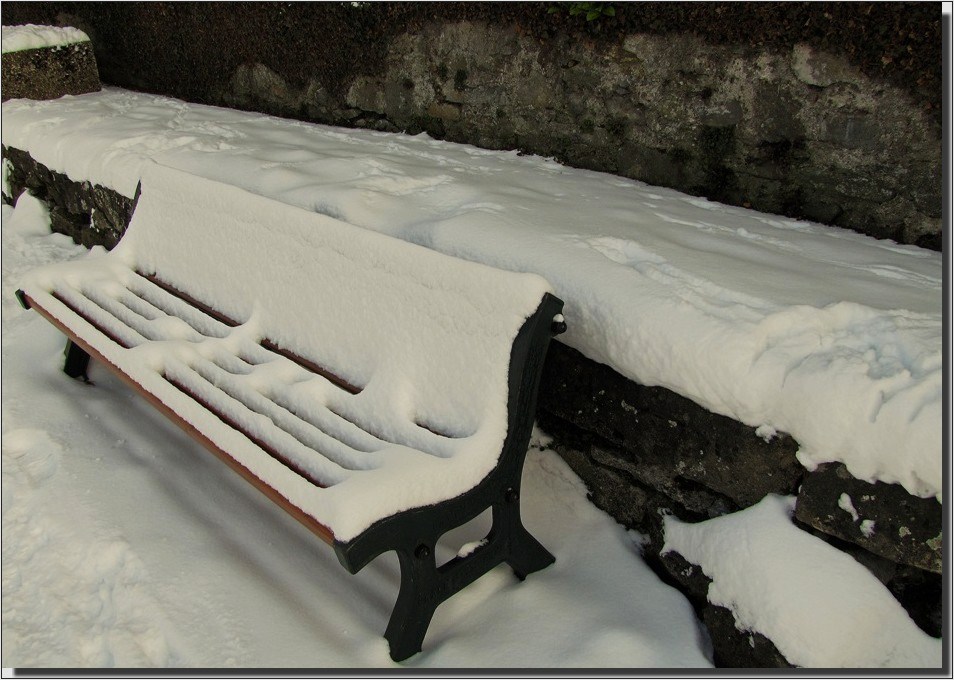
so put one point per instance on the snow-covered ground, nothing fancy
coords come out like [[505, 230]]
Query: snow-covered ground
[[126, 544]]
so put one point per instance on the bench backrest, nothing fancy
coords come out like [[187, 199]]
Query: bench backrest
[[419, 333]]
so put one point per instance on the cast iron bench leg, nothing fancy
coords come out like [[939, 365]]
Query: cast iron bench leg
[[418, 598], [424, 585], [525, 554], [77, 361]]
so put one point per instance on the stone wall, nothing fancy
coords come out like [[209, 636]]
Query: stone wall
[[798, 133], [89, 214], [50, 72], [824, 112], [645, 452]]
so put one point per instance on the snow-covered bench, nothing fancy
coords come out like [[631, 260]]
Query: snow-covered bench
[[380, 392]]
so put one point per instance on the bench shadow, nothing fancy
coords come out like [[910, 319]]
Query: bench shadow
[[297, 568]]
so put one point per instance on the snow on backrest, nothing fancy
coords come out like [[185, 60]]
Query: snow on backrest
[[424, 334]]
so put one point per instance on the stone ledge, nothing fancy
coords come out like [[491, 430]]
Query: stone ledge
[[667, 441], [89, 214], [881, 518], [645, 452], [50, 72]]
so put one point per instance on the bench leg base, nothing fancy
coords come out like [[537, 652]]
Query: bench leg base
[[424, 585], [77, 361], [415, 606], [529, 556]]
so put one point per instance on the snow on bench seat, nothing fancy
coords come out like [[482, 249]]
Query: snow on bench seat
[[356, 374]]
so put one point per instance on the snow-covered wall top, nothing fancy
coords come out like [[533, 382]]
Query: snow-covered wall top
[[781, 324], [32, 36]]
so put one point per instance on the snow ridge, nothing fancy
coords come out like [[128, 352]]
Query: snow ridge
[[32, 36]]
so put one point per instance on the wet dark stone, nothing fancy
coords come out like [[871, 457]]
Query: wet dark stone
[[736, 648], [666, 441], [882, 518]]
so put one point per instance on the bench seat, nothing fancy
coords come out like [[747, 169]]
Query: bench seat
[[379, 391]]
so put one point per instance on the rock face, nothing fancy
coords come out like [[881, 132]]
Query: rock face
[[50, 72], [882, 518], [799, 133], [663, 441], [90, 214]]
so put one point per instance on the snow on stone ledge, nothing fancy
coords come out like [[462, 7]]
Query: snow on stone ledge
[[819, 606], [32, 36], [784, 325]]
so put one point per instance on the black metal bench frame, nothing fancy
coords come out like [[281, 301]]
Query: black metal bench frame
[[413, 534]]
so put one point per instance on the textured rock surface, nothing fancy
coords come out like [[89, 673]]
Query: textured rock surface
[[91, 215], [646, 452], [882, 518], [50, 72], [663, 440], [736, 648]]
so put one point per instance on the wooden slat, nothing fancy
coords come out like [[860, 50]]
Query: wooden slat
[[319, 529], [311, 366], [91, 321], [433, 431], [367, 430], [189, 300], [307, 364], [235, 425]]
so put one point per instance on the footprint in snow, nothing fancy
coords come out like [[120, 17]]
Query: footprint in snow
[[33, 452]]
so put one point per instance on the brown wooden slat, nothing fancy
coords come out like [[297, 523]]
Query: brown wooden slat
[[235, 425], [307, 364], [433, 431], [316, 527], [367, 430], [311, 366], [289, 408], [92, 322], [189, 300]]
